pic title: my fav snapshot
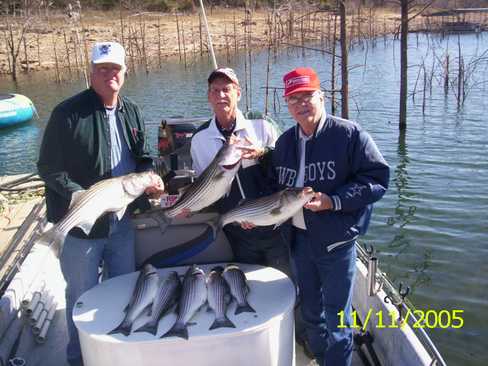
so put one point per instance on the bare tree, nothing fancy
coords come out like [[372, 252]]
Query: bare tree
[[406, 7], [14, 39], [344, 60]]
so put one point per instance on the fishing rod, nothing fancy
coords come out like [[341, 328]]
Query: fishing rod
[[210, 45]]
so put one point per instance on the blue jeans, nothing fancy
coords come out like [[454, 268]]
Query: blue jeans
[[325, 281], [80, 260]]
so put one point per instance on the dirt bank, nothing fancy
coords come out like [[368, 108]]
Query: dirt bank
[[62, 43]]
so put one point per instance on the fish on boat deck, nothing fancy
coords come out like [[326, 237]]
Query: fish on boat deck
[[193, 297], [145, 290], [236, 279]]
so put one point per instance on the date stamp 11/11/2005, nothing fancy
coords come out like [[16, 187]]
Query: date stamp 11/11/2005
[[421, 319]]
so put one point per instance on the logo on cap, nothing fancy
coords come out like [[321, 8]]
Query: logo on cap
[[104, 49], [298, 80]]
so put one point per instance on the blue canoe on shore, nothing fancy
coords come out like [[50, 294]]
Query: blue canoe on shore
[[15, 109]]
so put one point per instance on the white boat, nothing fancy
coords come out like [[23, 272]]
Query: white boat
[[33, 268]]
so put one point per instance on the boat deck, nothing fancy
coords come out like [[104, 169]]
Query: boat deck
[[52, 352]]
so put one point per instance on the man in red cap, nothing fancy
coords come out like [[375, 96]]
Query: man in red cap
[[341, 162]]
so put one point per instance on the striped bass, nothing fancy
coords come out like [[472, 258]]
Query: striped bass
[[108, 195], [236, 279], [270, 210], [214, 182], [142, 296], [193, 297], [218, 298], [166, 296]]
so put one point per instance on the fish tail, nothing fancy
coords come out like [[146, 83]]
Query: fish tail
[[149, 327], [244, 308], [178, 330], [123, 328], [54, 239], [223, 322], [216, 226]]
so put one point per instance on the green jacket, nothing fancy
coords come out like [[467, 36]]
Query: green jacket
[[75, 152]]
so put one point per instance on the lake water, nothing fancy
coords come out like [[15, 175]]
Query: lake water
[[431, 227]]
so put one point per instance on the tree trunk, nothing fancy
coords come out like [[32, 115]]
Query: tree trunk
[[403, 65], [344, 71]]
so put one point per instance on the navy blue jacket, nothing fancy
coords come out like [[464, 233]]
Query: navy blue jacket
[[342, 161]]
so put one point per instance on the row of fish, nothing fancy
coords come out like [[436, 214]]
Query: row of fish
[[157, 296]]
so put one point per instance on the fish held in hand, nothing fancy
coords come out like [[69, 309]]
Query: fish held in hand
[[274, 209], [214, 182], [108, 195]]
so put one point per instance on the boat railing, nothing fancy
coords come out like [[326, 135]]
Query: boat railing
[[378, 280]]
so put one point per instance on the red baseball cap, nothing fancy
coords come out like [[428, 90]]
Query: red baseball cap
[[301, 79]]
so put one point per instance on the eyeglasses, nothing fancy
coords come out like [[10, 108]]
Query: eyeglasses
[[292, 100]]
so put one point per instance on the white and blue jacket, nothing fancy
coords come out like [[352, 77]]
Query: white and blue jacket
[[341, 160]]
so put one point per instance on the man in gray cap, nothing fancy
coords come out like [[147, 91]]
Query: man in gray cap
[[94, 135], [259, 245]]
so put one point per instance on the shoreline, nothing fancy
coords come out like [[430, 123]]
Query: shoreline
[[62, 45]]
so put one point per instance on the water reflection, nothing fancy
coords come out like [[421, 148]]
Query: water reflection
[[402, 241]]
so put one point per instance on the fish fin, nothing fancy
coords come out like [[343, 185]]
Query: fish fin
[[178, 330], [222, 323], [276, 211], [75, 196], [244, 308], [183, 189], [87, 225], [54, 239], [122, 328], [149, 327], [215, 225], [120, 213], [279, 223]]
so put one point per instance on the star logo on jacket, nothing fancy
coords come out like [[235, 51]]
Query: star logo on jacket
[[355, 190], [104, 49]]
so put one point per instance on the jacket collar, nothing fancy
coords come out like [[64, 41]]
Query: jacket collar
[[214, 132], [98, 101]]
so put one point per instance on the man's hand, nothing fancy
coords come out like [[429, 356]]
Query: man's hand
[[183, 214], [246, 225], [251, 151], [156, 190], [319, 202]]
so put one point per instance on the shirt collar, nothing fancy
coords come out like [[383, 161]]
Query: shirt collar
[[240, 125]]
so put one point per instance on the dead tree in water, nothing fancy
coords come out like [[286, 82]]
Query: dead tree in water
[[14, 43], [405, 6], [344, 71]]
